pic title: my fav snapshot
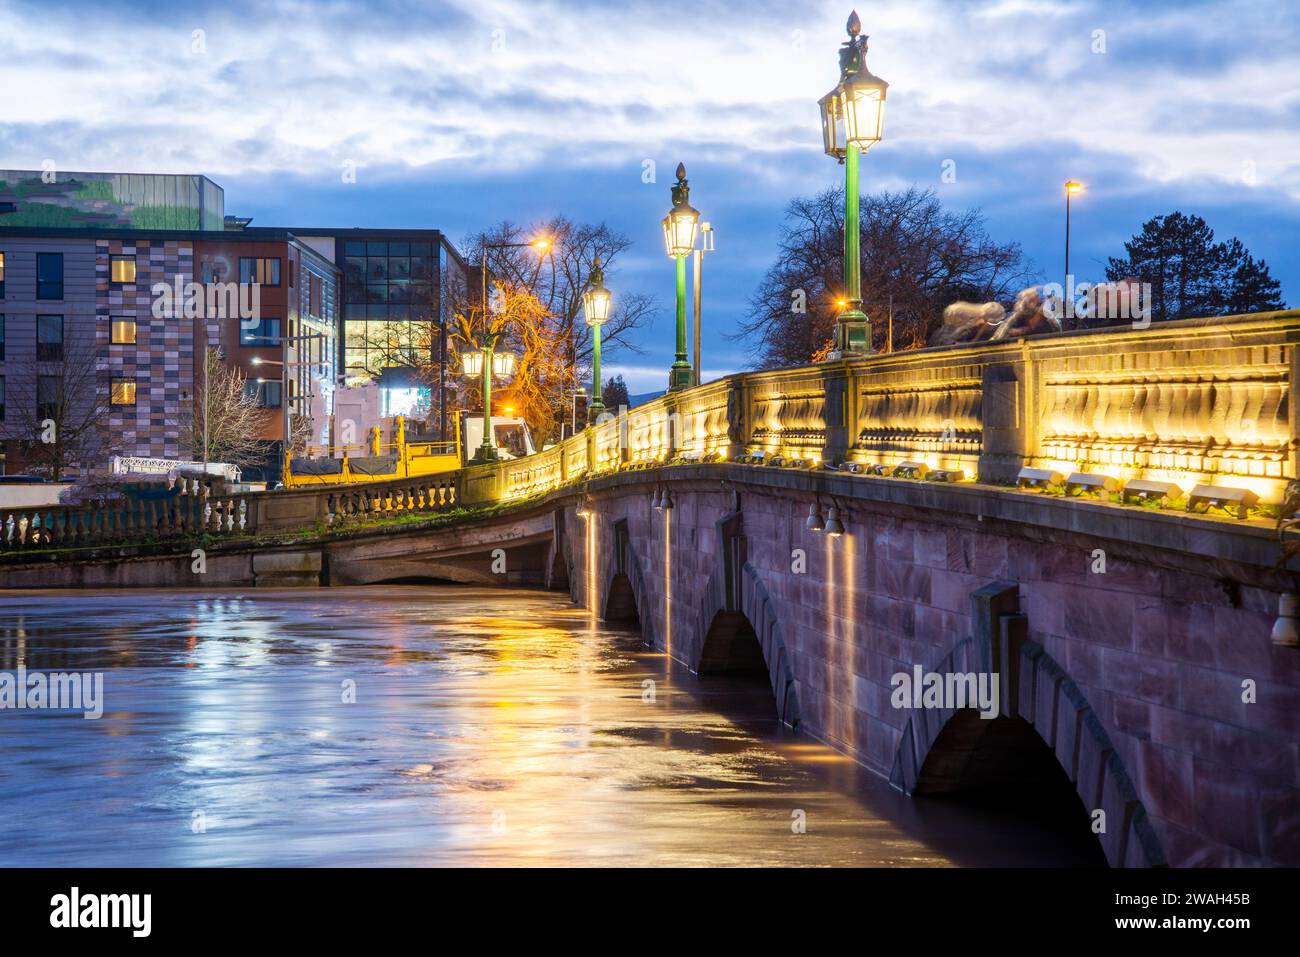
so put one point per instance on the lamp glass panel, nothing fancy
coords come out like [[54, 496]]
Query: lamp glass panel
[[679, 231], [864, 112], [595, 304], [832, 123], [503, 364]]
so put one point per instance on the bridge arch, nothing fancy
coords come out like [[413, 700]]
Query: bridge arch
[[943, 749], [737, 628], [624, 597]]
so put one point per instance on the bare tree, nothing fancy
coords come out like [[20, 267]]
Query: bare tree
[[225, 419], [527, 328], [61, 413], [917, 257], [558, 278]]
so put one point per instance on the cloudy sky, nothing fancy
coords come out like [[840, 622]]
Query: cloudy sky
[[460, 114]]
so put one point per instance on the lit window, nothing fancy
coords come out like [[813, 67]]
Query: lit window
[[122, 268], [2, 275], [124, 392], [123, 332], [264, 272]]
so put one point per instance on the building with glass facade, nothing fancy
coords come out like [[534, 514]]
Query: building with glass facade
[[398, 291]]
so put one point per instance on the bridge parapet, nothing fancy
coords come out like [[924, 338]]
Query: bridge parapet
[[1190, 402]]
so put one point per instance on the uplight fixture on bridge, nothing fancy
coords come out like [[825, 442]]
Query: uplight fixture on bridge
[[1089, 483], [834, 527], [946, 475], [912, 470], [666, 502], [1039, 479], [1233, 500], [878, 468], [1149, 491], [814, 521]]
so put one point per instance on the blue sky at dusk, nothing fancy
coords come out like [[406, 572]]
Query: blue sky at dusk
[[458, 115]]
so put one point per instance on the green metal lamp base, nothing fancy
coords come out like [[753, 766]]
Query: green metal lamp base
[[679, 377], [852, 336], [486, 453], [595, 411]]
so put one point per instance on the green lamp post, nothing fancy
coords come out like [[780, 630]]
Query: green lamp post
[[852, 118], [595, 306], [487, 362], [679, 239]]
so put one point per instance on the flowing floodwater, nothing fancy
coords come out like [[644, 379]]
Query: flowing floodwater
[[488, 727]]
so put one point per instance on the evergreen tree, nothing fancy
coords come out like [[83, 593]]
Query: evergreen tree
[[1190, 274], [614, 393], [1250, 286]]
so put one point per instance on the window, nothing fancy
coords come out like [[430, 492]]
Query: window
[[2, 398], [2, 275], [123, 392], [47, 397], [266, 392], [49, 275], [264, 272], [2, 338], [264, 332], [123, 332], [49, 338], [122, 269]]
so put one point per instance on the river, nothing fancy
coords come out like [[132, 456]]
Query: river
[[426, 725]]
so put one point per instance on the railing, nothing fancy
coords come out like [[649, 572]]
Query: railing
[[186, 509], [429, 493], [1191, 402], [193, 509], [1198, 401], [375, 460]]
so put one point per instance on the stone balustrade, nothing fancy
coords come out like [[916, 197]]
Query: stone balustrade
[[1190, 402], [195, 509], [1195, 401]]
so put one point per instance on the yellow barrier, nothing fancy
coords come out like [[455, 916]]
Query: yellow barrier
[[410, 459]]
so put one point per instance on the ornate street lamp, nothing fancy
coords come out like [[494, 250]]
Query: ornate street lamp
[[487, 362], [679, 239], [852, 121], [595, 306]]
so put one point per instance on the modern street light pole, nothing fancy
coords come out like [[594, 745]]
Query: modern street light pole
[[706, 246], [284, 364], [1071, 187], [852, 117], [595, 307], [679, 240]]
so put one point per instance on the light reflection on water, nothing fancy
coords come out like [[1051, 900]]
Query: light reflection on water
[[490, 727]]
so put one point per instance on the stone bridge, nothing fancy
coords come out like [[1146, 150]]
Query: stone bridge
[[1140, 686]]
